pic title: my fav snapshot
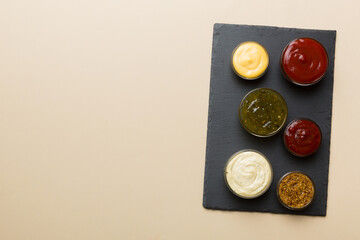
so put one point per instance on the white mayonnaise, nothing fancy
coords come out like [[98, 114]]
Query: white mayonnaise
[[248, 174]]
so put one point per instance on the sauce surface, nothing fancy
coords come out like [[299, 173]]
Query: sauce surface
[[302, 137], [296, 190], [304, 61], [250, 60], [248, 174], [263, 112]]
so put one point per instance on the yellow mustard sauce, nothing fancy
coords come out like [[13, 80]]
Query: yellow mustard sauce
[[250, 60]]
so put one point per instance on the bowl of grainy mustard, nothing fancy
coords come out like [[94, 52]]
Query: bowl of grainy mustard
[[295, 190]]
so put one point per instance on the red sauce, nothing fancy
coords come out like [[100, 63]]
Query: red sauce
[[304, 61], [302, 137]]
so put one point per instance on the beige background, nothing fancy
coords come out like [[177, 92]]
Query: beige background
[[103, 107]]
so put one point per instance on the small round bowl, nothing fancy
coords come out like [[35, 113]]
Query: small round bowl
[[308, 179], [263, 112], [302, 137], [252, 57], [304, 61], [237, 187]]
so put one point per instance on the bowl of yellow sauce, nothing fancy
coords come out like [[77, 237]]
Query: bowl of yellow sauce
[[250, 60]]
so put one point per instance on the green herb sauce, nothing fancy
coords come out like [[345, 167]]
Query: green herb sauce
[[263, 112]]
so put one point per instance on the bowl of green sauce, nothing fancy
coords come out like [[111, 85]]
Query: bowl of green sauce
[[263, 112]]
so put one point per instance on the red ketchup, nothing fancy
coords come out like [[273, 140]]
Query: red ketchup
[[302, 137], [304, 61]]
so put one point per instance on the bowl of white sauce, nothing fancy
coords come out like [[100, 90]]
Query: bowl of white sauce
[[248, 174]]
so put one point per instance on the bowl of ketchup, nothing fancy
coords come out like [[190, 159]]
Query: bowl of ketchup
[[302, 137], [304, 61]]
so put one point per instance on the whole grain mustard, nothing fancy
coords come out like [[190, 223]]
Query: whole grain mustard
[[296, 190]]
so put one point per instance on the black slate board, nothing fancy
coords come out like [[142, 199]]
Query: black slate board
[[226, 136]]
